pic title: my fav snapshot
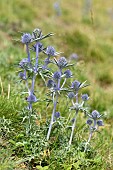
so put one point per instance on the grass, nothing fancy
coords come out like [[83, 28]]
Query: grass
[[91, 37]]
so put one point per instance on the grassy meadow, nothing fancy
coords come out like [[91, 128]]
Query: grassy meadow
[[89, 35]]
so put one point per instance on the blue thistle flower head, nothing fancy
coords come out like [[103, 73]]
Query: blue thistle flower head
[[74, 56], [31, 98], [100, 123], [62, 62], [57, 114], [22, 76], [23, 62], [50, 83], [89, 121], [68, 73], [75, 85], [72, 120], [37, 32], [40, 47], [26, 38], [71, 95], [95, 114], [85, 97], [47, 61], [57, 75], [50, 51]]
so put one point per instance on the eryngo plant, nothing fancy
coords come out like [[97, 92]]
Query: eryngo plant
[[76, 104], [30, 68], [55, 86], [94, 122], [79, 105]]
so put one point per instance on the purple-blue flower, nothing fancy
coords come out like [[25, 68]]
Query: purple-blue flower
[[23, 62], [62, 62], [89, 121], [26, 38], [85, 97], [75, 85], [40, 47], [100, 123], [68, 73], [74, 56], [71, 95], [95, 114], [57, 75], [47, 61], [22, 75], [31, 98], [50, 83], [57, 114], [50, 51], [72, 120]]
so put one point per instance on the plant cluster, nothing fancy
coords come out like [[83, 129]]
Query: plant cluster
[[56, 74], [56, 80]]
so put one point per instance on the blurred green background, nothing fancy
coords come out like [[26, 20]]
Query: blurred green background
[[86, 30]]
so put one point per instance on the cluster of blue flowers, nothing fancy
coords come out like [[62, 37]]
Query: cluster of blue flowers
[[55, 86], [30, 68]]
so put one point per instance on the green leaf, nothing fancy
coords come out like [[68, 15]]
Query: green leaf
[[12, 142], [67, 167], [42, 168], [19, 144], [77, 165]]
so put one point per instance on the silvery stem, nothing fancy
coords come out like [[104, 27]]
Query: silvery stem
[[52, 117], [28, 53], [76, 96], [74, 124], [33, 84], [73, 127], [29, 120], [30, 106], [26, 82], [59, 80], [37, 52], [90, 135], [59, 83], [63, 83]]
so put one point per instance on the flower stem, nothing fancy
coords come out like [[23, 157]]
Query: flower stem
[[63, 83], [52, 117], [37, 52], [90, 135], [29, 120], [33, 83], [73, 127], [26, 81], [28, 53], [75, 117], [59, 83], [59, 80]]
